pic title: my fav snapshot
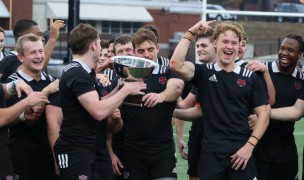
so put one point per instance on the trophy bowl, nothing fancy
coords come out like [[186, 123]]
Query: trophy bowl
[[133, 68]]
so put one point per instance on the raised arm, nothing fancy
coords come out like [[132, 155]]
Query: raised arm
[[51, 43], [178, 64]]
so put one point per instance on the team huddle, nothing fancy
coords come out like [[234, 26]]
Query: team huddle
[[243, 112]]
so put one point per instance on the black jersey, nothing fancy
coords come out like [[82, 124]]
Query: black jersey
[[37, 131], [227, 99], [288, 88], [3, 130], [110, 72], [8, 66], [78, 126], [55, 99], [163, 61], [150, 127], [301, 97]]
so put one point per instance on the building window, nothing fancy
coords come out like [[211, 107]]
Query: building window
[[126, 27], [117, 27]]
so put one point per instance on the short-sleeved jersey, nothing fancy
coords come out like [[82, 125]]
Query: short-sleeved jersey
[[288, 88], [110, 72], [55, 99], [78, 126], [227, 99], [8, 66], [150, 127], [37, 131]]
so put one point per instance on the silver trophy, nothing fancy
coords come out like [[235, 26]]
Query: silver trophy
[[133, 68]]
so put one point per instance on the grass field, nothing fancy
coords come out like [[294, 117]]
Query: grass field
[[299, 135]]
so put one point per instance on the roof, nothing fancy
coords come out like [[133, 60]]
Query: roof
[[97, 11]]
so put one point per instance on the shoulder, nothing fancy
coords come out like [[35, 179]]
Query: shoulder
[[73, 67], [163, 61]]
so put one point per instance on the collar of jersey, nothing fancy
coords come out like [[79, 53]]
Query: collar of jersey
[[29, 78], [237, 68], [156, 69], [83, 65], [275, 69]]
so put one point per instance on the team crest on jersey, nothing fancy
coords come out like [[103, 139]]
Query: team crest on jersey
[[298, 85], [9, 177], [162, 80], [104, 93], [83, 177], [241, 82], [126, 175]]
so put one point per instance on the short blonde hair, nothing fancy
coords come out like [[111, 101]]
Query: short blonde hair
[[227, 25], [27, 37]]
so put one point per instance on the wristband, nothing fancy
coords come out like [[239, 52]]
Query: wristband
[[187, 38], [188, 35], [191, 32], [22, 117], [255, 137], [251, 143], [11, 90]]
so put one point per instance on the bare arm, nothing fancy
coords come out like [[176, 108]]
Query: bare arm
[[270, 88], [178, 65], [240, 159], [115, 123], [258, 66], [11, 114], [172, 92], [51, 43], [190, 114], [100, 109], [54, 119], [116, 163], [292, 113]]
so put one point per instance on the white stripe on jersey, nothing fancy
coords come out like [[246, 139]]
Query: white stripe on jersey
[[163, 61], [247, 73], [71, 65]]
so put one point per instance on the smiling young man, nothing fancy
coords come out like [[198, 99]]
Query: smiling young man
[[276, 155], [149, 146], [228, 94], [31, 152]]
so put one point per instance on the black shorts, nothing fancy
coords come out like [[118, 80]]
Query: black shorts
[[103, 166], [149, 164], [31, 159], [276, 161], [214, 166], [194, 147], [6, 165], [75, 162]]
